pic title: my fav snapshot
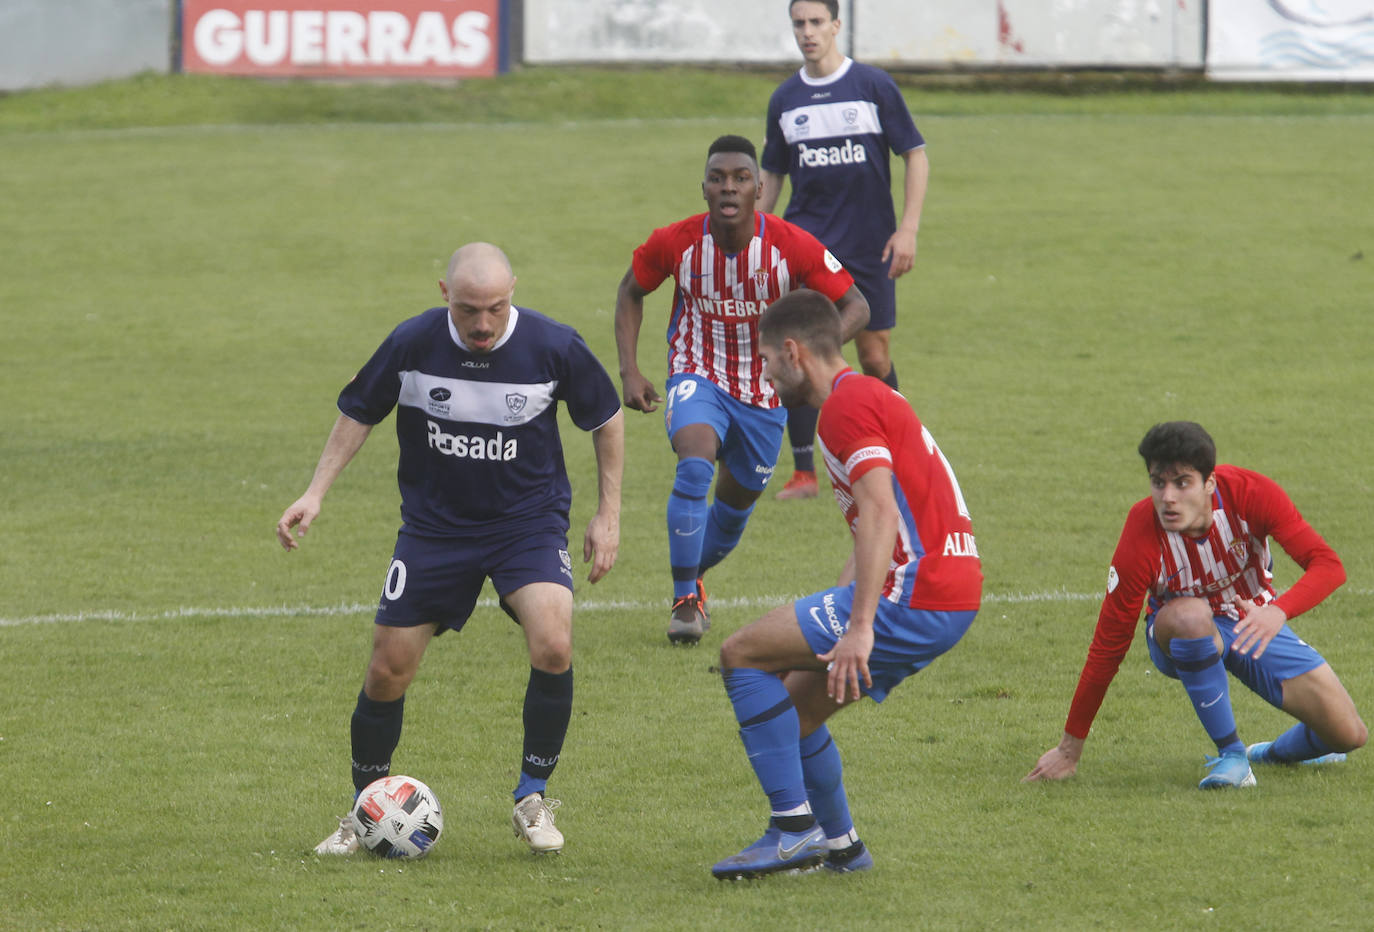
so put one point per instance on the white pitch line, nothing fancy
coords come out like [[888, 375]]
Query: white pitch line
[[582, 607]]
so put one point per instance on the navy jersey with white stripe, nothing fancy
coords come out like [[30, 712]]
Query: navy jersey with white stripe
[[478, 432], [832, 136]]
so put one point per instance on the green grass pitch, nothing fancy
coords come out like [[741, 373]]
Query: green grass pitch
[[191, 270]]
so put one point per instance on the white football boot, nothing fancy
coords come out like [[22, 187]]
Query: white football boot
[[533, 821], [343, 841]]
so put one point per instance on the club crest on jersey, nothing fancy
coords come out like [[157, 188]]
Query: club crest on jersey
[[515, 402], [851, 115], [761, 279], [1239, 549]]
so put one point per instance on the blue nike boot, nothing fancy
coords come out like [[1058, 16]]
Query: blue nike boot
[[775, 851]]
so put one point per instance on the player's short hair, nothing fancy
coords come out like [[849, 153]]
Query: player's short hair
[[806, 316], [832, 5], [733, 144], [1182, 443]]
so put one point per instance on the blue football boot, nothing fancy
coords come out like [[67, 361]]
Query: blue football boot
[[1227, 770], [849, 860], [775, 851]]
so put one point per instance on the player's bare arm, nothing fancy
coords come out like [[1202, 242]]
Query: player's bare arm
[[900, 250], [639, 393], [853, 308], [875, 537], [770, 189], [1059, 762], [345, 440], [601, 544]]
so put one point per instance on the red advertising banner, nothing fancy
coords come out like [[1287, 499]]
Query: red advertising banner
[[342, 38]]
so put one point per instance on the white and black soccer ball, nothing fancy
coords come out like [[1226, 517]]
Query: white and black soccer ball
[[397, 817]]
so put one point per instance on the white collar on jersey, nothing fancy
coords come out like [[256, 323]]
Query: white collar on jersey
[[510, 328], [830, 78]]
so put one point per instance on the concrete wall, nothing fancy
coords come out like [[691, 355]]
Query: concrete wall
[[937, 33], [81, 41]]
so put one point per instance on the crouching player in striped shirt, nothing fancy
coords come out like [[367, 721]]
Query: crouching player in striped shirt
[[1198, 548], [909, 592]]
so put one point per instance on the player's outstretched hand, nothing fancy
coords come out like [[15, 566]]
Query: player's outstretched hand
[[901, 249], [848, 661], [302, 512], [1257, 626], [640, 393], [601, 545], [1058, 763]]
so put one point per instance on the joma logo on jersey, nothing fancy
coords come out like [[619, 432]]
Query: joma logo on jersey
[[473, 448], [821, 156]]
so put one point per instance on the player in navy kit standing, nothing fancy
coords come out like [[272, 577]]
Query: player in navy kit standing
[[830, 129], [484, 494]]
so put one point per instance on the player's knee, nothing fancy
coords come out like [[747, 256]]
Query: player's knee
[[1347, 735], [874, 361], [1184, 618], [552, 655], [386, 680], [734, 653]]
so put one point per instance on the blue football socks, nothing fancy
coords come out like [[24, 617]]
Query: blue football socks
[[770, 730], [1298, 743], [823, 775], [1203, 675], [724, 527], [687, 522]]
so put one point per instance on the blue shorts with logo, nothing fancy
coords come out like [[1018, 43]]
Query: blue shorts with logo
[[438, 579], [879, 290], [905, 640], [750, 437], [1286, 656]]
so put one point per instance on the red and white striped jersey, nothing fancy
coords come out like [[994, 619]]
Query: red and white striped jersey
[[717, 297], [1230, 563], [864, 424]]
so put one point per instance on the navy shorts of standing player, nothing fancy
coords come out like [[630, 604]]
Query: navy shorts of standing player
[[484, 495], [727, 265], [830, 129], [1195, 556], [907, 595]]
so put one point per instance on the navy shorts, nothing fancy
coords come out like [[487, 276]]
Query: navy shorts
[[435, 579], [750, 437], [880, 292], [1286, 656], [905, 640]]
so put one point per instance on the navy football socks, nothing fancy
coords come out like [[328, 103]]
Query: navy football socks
[[375, 731], [548, 709]]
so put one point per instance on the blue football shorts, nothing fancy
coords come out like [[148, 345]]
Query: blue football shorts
[[1286, 656], [905, 640], [879, 290], [750, 437], [435, 579]]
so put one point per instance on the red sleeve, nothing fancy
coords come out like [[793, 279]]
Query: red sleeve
[[1272, 513], [853, 426], [654, 260], [815, 267], [1134, 567]]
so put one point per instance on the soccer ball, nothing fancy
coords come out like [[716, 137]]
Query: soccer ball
[[397, 817]]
